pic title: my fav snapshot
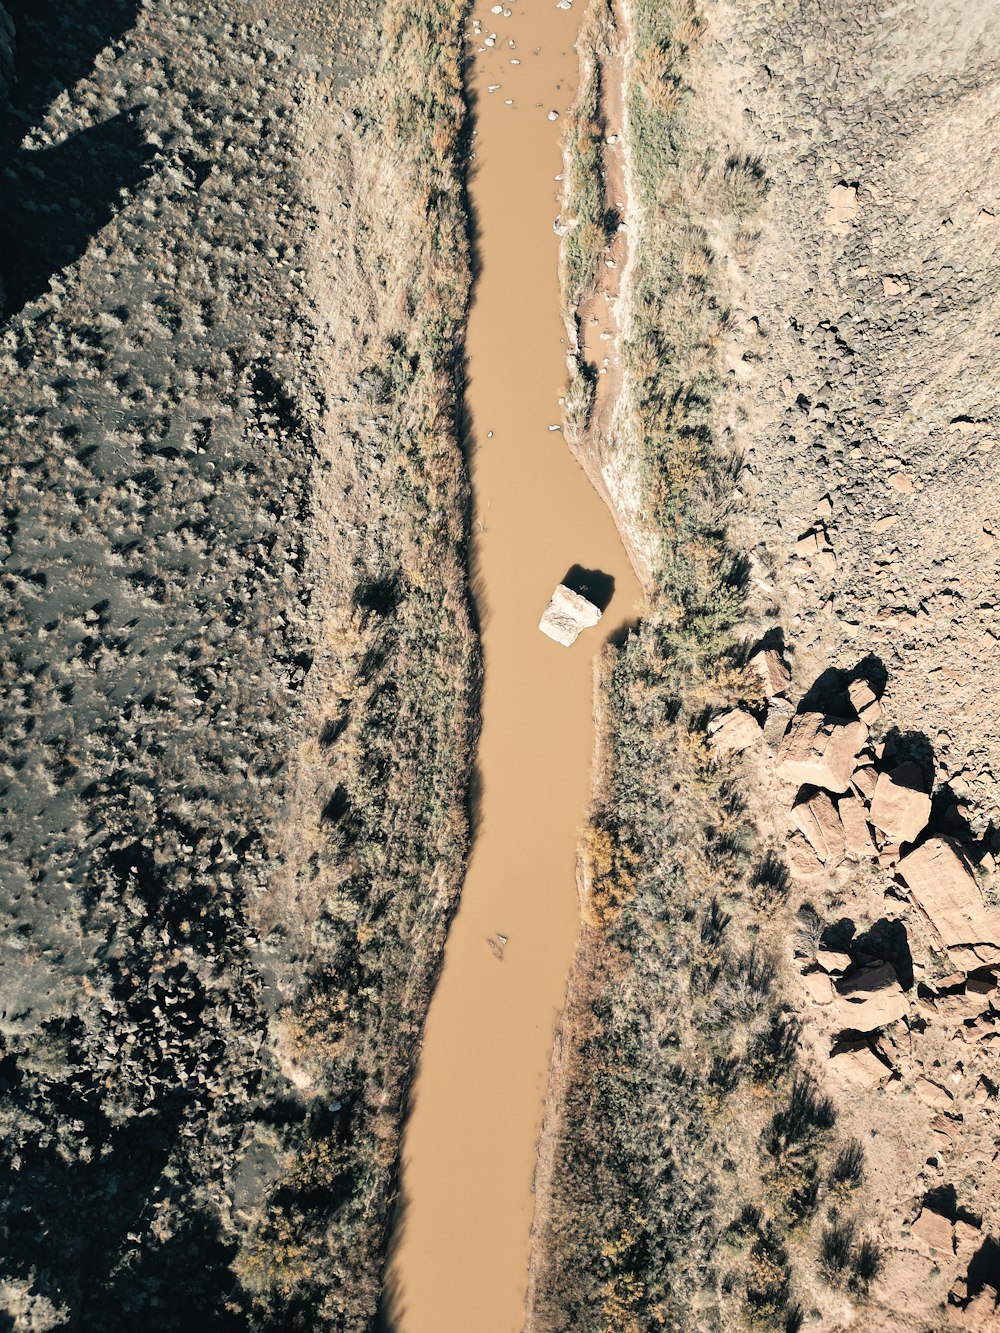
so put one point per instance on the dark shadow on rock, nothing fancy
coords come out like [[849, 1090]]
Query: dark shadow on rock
[[838, 936], [942, 1199], [947, 815], [829, 691], [771, 640], [55, 199], [887, 941], [909, 747], [984, 1267], [593, 584]]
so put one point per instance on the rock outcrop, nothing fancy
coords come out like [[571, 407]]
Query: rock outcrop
[[944, 888], [819, 821], [774, 672], [900, 807], [870, 998], [733, 731]]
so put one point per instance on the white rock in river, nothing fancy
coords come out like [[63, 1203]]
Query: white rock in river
[[566, 615]]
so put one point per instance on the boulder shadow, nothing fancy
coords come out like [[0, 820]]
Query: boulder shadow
[[594, 584]]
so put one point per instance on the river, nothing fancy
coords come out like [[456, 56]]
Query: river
[[460, 1257]]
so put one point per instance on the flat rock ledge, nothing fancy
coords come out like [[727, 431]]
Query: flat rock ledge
[[566, 615]]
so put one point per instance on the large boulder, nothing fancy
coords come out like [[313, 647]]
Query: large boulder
[[870, 998], [935, 1231], [566, 615], [945, 889], [858, 845], [842, 208], [855, 1064], [820, 750], [733, 731], [817, 818], [900, 806], [774, 672]]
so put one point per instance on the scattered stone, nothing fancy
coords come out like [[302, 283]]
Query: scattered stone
[[871, 998], [566, 615], [841, 208], [821, 751], [733, 731], [894, 285], [773, 670], [885, 523], [857, 1065], [817, 818], [934, 1230], [944, 888], [900, 806]]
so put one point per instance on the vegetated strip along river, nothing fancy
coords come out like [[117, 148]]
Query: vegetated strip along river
[[461, 1251]]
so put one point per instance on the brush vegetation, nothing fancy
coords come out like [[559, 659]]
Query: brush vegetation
[[689, 1161]]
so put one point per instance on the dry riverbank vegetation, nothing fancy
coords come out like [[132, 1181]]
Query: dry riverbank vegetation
[[239, 671], [377, 835], [687, 1155], [771, 1099]]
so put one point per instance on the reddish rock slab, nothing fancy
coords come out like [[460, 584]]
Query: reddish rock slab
[[817, 819], [733, 731], [820, 750], [900, 806], [945, 889], [871, 998]]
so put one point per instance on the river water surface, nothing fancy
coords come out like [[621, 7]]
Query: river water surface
[[461, 1252]]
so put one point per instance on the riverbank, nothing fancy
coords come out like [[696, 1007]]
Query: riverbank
[[703, 1162], [673, 1018]]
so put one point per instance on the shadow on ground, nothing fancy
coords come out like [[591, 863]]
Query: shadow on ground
[[54, 199]]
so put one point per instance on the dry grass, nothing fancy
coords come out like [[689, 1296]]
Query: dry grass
[[371, 869]]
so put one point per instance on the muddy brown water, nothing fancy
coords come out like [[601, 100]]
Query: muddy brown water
[[460, 1260]]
